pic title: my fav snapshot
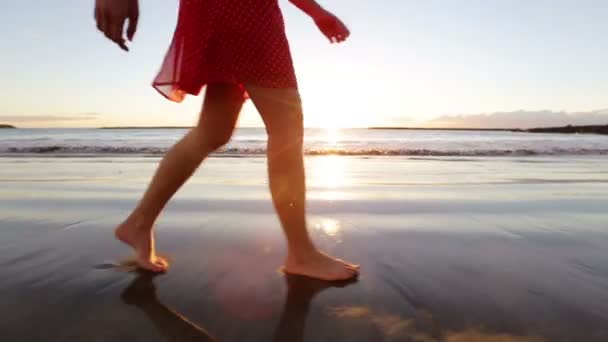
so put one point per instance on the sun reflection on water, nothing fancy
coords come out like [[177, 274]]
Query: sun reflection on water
[[328, 230], [328, 174], [329, 226], [333, 135]]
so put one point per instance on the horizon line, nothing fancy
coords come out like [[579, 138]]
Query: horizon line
[[9, 126], [313, 127]]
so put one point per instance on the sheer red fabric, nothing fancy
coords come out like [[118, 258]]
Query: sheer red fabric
[[234, 41]]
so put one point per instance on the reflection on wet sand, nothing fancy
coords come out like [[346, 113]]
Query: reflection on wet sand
[[422, 328], [176, 327], [169, 323], [300, 292], [328, 178]]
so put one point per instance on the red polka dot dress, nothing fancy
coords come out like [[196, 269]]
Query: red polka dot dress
[[234, 41]]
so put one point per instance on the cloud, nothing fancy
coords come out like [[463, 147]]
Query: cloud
[[49, 118], [521, 119]]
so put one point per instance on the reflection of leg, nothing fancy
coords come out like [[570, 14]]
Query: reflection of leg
[[281, 111], [169, 323], [222, 105], [300, 292]]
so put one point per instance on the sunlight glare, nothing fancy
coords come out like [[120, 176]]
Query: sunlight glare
[[332, 135], [329, 226], [328, 173]]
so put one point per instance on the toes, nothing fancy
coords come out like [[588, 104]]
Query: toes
[[353, 268], [347, 273], [161, 265], [353, 272], [348, 264], [161, 262], [155, 266]]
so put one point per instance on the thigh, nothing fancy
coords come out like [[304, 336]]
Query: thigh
[[221, 108], [280, 109]]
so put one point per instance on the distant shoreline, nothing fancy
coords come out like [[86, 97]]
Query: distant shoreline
[[372, 128], [569, 129], [448, 129], [590, 129]]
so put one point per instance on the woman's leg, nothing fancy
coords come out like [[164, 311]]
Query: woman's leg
[[218, 117], [281, 111]]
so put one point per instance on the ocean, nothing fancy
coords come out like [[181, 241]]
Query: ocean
[[356, 142]]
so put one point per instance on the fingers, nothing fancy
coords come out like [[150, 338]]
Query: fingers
[[99, 20], [132, 28], [112, 27], [335, 31], [105, 25], [342, 32], [118, 35], [116, 29], [133, 17], [338, 37]]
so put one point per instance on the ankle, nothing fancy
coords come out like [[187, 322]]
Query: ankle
[[301, 252], [138, 222]]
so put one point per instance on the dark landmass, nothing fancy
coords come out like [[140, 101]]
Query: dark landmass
[[450, 129], [592, 129], [7, 126]]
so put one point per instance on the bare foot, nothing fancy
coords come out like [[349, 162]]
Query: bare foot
[[319, 265], [142, 241]]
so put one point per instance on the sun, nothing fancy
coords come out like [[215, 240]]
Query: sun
[[332, 131]]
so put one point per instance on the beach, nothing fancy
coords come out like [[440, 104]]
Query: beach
[[451, 249]]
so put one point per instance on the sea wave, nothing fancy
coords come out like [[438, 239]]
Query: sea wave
[[51, 150]]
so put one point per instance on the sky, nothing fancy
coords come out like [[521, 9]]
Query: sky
[[407, 63]]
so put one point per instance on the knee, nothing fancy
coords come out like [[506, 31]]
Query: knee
[[287, 128], [291, 137], [212, 141]]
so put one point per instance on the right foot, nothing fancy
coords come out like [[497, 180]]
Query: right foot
[[142, 241], [319, 265]]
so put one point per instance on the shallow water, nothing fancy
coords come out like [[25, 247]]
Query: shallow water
[[349, 141], [483, 249]]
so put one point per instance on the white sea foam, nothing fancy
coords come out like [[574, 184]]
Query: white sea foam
[[356, 142]]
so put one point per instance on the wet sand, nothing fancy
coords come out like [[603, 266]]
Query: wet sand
[[451, 250]]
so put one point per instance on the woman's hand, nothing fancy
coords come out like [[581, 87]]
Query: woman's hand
[[111, 16], [332, 27]]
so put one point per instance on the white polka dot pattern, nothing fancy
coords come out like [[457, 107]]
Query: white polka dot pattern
[[235, 41]]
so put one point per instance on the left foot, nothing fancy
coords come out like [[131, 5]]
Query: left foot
[[142, 241]]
